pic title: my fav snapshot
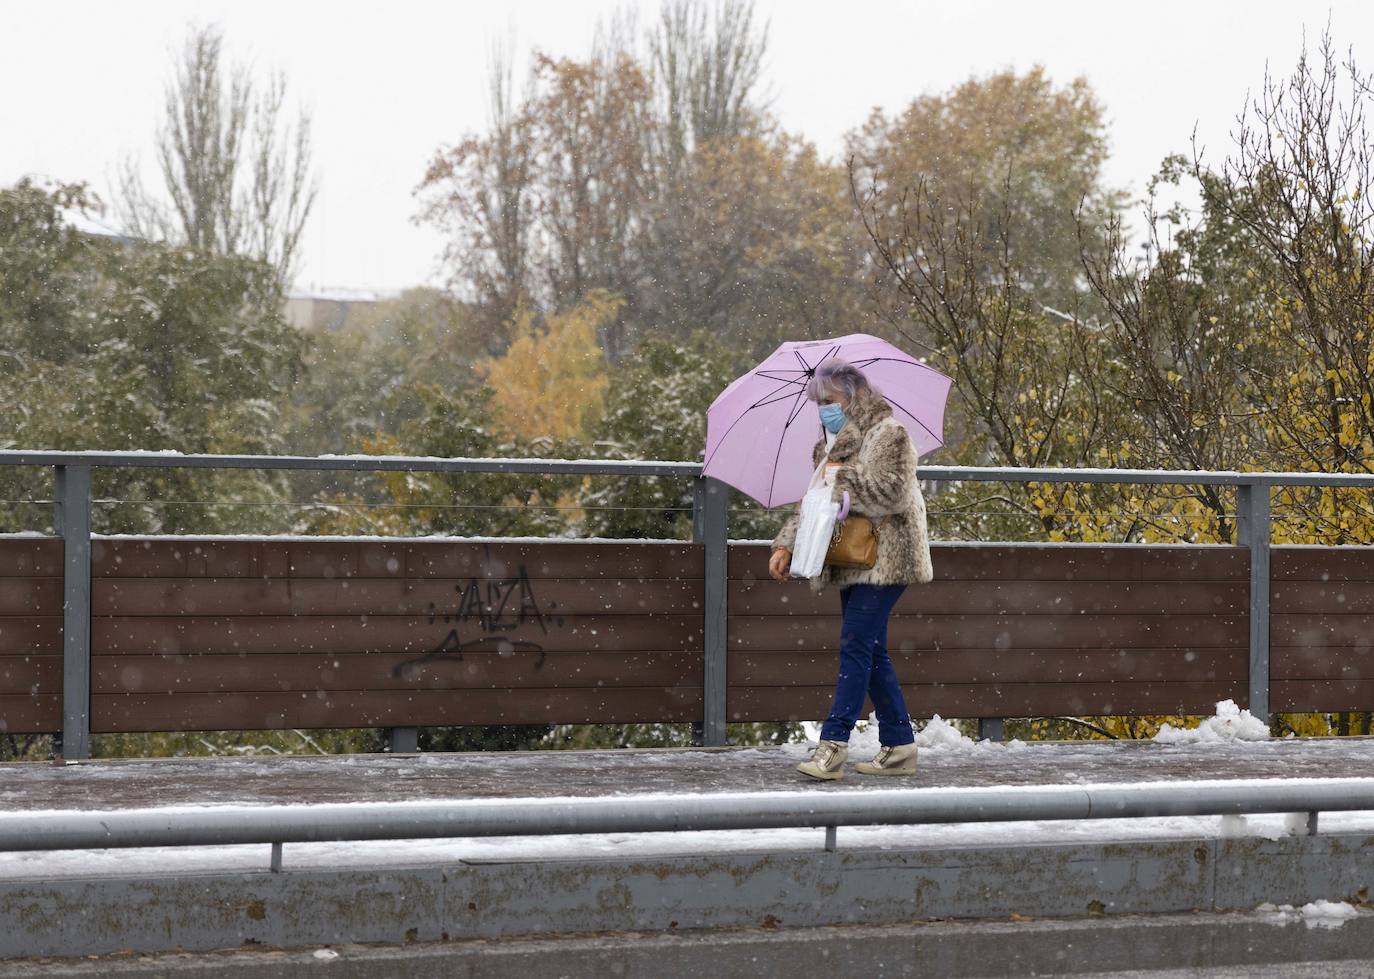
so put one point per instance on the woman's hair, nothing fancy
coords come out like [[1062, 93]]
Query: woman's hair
[[835, 376]]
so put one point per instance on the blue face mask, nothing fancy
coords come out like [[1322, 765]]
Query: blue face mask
[[832, 417]]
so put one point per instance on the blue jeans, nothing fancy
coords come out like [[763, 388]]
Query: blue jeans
[[865, 667]]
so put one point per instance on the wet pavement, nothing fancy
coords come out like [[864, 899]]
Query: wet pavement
[[390, 778]]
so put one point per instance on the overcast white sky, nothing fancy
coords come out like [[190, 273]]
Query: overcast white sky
[[81, 82]]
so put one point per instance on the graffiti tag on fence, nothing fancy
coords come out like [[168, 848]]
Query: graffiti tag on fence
[[487, 609]]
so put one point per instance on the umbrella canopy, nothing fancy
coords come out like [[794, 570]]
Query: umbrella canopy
[[760, 429]]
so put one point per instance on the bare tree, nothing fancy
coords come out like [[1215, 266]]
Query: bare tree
[[480, 193], [1299, 182], [707, 68], [236, 175], [655, 175], [283, 189], [1004, 350], [1031, 378], [1175, 325], [1244, 335], [588, 122]]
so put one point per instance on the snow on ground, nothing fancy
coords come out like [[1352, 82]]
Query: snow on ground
[[936, 735], [1230, 723], [1214, 754], [1316, 914]]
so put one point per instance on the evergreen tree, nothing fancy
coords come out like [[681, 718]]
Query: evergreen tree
[[114, 344]]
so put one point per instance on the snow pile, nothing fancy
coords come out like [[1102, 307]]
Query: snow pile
[[1315, 914], [1233, 827], [1230, 724], [1295, 824], [1275, 827], [1328, 914], [939, 733]]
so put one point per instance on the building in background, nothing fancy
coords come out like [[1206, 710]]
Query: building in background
[[328, 309], [332, 309]]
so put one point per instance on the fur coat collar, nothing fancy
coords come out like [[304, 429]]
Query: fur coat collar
[[859, 419]]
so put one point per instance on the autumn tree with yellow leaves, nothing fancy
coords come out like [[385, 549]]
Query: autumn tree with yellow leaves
[[551, 381], [1299, 185], [1239, 340], [1246, 341]]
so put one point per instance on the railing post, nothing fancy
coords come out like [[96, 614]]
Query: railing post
[[1252, 531], [72, 520], [403, 740], [710, 499], [991, 729]]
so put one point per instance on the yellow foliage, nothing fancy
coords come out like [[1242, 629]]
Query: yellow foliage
[[552, 380]]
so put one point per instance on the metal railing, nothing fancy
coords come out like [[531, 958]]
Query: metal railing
[[72, 521], [279, 825]]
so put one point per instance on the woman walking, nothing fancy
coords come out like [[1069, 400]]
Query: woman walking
[[869, 455]]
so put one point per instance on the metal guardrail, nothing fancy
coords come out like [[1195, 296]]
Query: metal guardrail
[[634, 467], [72, 521], [351, 463], [279, 825]]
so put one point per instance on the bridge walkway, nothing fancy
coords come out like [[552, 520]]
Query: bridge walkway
[[272, 780]]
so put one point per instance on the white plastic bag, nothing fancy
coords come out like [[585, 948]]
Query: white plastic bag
[[815, 526]]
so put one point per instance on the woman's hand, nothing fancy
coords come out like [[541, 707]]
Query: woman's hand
[[779, 563]]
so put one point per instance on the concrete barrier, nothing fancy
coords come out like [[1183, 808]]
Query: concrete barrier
[[502, 899]]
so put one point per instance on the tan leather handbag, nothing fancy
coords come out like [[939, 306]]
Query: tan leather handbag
[[854, 543]]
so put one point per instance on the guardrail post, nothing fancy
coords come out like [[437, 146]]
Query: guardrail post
[[1253, 531], [403, 740], [710, 499], [72, 520], [991, 729]]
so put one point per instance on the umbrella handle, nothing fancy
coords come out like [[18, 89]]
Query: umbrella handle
[[844, 507]]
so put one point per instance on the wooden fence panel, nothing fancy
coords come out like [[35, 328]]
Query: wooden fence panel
[[206, 633], [201, 634], [30, 635], [1010, 630], [1321, 628]]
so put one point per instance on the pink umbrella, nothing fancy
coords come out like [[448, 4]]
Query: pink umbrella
[[760, 429]]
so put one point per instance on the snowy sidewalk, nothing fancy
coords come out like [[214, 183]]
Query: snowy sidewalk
[[951, 762], [493, 775]]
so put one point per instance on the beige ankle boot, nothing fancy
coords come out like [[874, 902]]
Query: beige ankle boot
[[827, 762], [898, 760]]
